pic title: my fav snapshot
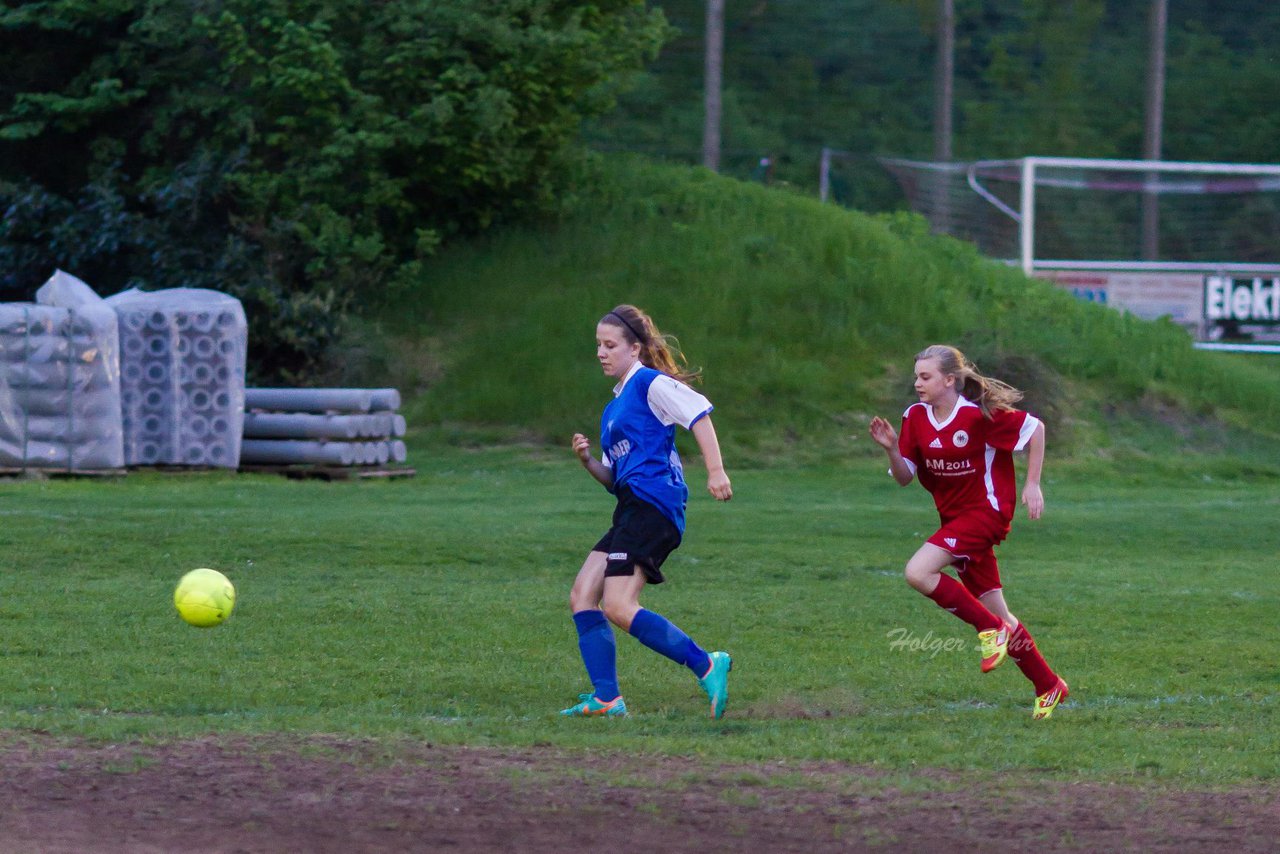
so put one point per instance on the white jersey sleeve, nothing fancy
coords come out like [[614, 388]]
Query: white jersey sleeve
[[1028, 430], [673, 402]]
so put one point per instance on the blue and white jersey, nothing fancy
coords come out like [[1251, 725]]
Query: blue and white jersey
[[638, 435]]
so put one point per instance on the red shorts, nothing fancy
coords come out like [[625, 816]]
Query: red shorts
[[971, 539]]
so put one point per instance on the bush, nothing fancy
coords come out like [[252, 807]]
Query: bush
[[305, 156]]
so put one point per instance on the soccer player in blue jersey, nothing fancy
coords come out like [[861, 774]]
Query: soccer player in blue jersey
[[640, 466]]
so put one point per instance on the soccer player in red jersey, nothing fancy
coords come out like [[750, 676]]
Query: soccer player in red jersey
[[959, 441]]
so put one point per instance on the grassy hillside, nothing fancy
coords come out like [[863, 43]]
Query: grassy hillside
[[804, 318]]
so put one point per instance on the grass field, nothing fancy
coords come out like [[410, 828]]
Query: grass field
[[436, 609]]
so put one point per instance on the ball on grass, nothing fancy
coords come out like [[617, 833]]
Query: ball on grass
[[204, 597]]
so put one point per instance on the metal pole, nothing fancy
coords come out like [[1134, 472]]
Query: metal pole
[[944, 77], [1152, 141], [1027, 208], [711, 98], [824, 174], [944, 80]]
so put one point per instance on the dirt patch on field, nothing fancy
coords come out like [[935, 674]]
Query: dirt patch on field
[[339, 795]]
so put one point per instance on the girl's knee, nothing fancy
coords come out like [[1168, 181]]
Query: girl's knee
[[614, 613], [580, 600], [918, 578], [620, 613]]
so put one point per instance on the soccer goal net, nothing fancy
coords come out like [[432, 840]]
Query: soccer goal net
[[1185, 240], [1052, 209]]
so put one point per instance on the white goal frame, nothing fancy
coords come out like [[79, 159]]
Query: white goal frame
[[1025, 216], [1145, 287]]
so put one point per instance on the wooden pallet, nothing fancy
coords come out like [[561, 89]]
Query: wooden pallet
[[320, 472], [38, 473], [295, 472]]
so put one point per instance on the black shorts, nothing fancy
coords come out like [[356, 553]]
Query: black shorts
[[641, 536]]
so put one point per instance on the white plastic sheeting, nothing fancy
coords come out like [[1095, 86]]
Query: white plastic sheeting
[[182, 367], [60, 380]]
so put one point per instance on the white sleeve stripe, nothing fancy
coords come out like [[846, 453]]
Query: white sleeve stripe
[[1028, 430]]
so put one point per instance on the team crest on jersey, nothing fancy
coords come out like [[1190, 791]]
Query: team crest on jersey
[[961, 438], [936, 443]]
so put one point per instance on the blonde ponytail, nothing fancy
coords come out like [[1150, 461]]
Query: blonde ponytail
[[989, 393]]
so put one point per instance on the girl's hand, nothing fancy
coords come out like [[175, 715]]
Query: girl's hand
[[718, 485], [1033, 499], [883, 433], [582, 447]]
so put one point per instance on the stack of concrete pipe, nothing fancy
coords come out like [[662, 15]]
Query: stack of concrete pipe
[[60, 381], [322, 426], [182, 367]]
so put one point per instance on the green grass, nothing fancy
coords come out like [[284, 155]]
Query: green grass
[[436, 609], [804, 316]]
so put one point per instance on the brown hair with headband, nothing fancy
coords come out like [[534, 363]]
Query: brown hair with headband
[[658, 351], [990, 394]]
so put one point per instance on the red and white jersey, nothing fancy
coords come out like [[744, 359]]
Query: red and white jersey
[[966, 461]]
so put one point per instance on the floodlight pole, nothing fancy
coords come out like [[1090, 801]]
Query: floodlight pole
[[943, 96], [824, 174], [1152, 141], [713, 74], [944, 77]]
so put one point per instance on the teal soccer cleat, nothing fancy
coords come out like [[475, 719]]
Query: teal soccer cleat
[[590, 707], [716, 682]]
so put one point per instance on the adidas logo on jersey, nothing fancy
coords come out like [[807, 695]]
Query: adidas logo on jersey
[[951, 541], [936, 443]]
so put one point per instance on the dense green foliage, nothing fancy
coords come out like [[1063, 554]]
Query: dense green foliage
[[1032, 77], [805, 317], [300, 154], [310, 155], [435, 609]]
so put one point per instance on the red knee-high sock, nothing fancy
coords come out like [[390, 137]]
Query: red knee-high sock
[[952, 596], [1023, 651]]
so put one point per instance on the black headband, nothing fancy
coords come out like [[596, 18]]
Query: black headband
[[630, 328]]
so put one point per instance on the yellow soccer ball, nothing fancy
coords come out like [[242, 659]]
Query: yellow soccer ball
[[204, 597]]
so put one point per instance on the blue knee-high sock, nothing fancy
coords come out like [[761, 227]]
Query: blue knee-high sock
[[599, 653], [663, 636]]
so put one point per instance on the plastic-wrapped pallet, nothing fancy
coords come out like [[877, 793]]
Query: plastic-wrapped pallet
[[60, 380], [182, 364]]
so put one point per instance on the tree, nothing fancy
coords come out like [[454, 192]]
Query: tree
[[1051, 77], [300, 154]]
